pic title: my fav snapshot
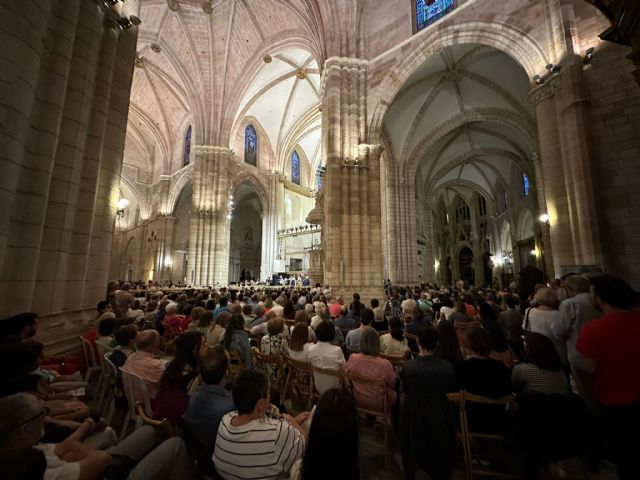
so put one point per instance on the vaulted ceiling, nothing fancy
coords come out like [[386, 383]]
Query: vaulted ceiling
[[197, 64], [464, 120]]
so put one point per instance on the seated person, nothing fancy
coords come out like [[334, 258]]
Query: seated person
[[343, 321], [236, 339], [211, 400], [125, 337], [178, 378], [22, 326], [105, 332], [394, 343], [144, 362], [483, 376], [542, 372], [368, 364], [325, 355], [21, 425], [252, 444], [353, 337]]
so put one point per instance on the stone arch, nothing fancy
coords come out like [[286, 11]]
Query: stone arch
[[504, 36], [525, 225], [182, 179], [266, 155], [255, 181]]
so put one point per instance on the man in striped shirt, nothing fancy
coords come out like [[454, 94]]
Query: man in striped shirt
[[250, 443]]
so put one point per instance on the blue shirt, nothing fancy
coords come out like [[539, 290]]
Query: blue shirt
[[206, 408], [219, 310]]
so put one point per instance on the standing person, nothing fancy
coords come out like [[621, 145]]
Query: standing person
[[510, 320], [540, 318], [608, 366], [250, 442], [575, 312]]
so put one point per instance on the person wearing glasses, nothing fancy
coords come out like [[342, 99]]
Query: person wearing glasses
[[138, 456]]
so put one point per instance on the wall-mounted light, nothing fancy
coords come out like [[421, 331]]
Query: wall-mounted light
[[121, 205], [553, 68], [167, 261], [436, 264], [588, 55], [544, 218]]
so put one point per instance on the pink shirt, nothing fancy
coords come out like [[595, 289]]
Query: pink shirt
[[335, 309], [146, 366], [370, 396]]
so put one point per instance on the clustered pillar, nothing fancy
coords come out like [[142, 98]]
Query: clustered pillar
[[67, 101]]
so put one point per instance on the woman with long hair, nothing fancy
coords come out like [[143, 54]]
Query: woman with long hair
[[289, 312], [235, 338], [542, 371], [448, 346], [299, 342], [172, 398], [394, 343], [333, 435]]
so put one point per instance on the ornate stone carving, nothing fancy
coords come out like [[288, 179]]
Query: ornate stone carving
[[301, 73], [173, 5], [545, 91], [267, 58], [139, 62], [156, 48]]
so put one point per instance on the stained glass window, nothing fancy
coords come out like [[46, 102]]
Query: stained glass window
[[428, 11], [250, 145], [295, 168], [319, 182], [186, 157], [526, 185]]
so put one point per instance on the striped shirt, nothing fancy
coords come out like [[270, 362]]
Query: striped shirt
[[261, 449], [532, 379]]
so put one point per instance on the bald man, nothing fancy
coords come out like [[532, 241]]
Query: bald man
[[144, 363]]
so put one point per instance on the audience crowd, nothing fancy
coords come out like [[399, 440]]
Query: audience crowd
[[229, 375]]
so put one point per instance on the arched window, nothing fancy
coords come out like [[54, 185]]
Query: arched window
[[428, 11], [186, 155], [295, 168], [526, 185], [250, 145], [319, 182]]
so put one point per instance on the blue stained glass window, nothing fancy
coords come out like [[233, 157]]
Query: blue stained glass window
[[526, 185], [428, 11], [295, 168], [186, 157], [250, 145], [319, 182]]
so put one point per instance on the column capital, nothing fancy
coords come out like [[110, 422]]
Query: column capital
[[545, 91]]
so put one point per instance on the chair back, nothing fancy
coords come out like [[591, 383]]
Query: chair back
[[236, 363], [110, 369], [135, 391], [332, 372], [89, 352], [395, 360], [102, 351]]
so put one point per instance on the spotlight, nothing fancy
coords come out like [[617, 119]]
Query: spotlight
[[544, 218], [538, 80], [553, 68], [588, 55]]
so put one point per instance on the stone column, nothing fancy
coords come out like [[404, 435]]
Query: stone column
[[574, 118], [541, 231], [400, 207], [429, 249], [209, 225], [553, 176]]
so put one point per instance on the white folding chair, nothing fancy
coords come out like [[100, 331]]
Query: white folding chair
[[89, 359], [103, 384], [135, 391], [112, 379]]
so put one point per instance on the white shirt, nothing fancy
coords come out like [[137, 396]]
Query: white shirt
[[301, 356], [326, 355], [261, 449], [315, 321], [57, 469], [408, 305]]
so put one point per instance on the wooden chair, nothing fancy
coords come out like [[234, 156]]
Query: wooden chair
[[384, 414], [295, 371], [332, 372], [269, 361], [93, 365], [472, 437], [396, 360], [457, 399], [236, 363], [163, 424]]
